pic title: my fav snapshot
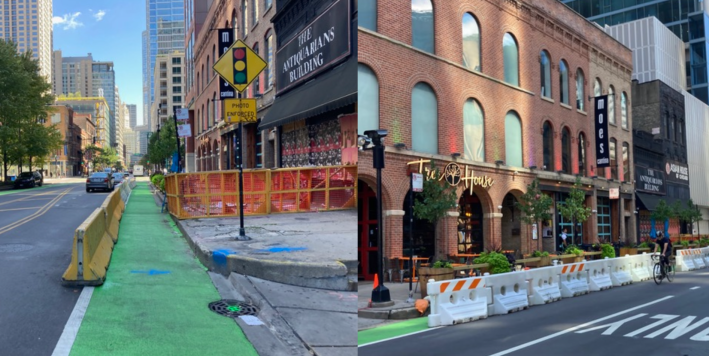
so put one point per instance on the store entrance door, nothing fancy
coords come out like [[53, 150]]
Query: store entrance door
[[367, 226]]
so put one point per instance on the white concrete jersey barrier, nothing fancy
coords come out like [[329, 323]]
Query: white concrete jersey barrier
[[509, 292], [685, 261], [573, 279], [458, 301], [543, 285], [599, 277], [640, 267], [620, 270], [705, 255], [698, 259]]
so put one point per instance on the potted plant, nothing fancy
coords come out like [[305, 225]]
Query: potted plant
[[575, 251], [607, 250], [497, 262], [627, 250], [440, 271], [544, 258]]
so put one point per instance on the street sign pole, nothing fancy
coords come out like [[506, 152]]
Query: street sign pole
[[177, 137], [239, 162]]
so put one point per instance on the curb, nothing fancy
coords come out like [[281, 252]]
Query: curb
[[393, 314], [338, 275]]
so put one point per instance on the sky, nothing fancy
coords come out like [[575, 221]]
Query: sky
[[111, 30]]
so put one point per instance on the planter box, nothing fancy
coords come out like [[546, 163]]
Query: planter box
[[571, 259], [628, 251], [439, 274]]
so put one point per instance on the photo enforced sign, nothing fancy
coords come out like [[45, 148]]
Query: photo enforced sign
[[603, 158]]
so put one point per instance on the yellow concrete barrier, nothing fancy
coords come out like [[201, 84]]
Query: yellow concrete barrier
[[114, 207], [91, 252]]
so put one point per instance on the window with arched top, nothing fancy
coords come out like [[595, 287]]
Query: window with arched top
[[234, 24], [611, 105], [471, 43], [367, 14], [510, 59], [422, 25], [513, 140], [566, 151], [209, 65], [244, 18], [548, 147], [256, 87], [563, 82], [268, 47], [254, 13], [582, 154], [367, 99], [214, 59], [545, 69], [210, 115], [579, 89], [424, 119], [597, 88], [626, 162], [623, 110], [614, 161], [216, 108], [473, 131]]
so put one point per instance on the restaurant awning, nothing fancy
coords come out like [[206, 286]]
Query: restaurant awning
[[334, 89], [650, 201]]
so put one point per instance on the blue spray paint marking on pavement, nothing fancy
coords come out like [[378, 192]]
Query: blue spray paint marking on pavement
[[219, 256], [282, 249], [152, 272]]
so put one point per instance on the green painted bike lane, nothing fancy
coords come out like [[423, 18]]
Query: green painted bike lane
[[389, 331], [136, 312]]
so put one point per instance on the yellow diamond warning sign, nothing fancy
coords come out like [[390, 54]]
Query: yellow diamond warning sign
[[239, 110], [239, 65]]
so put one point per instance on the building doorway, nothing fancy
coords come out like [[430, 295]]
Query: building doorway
[[511, 224], [367, 227], [424, 237], [470, 224]]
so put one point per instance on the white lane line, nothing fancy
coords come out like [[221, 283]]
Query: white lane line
[[398, 337], [66, 341], [693, 288], [531, 343]]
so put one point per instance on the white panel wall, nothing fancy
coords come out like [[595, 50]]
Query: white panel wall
[[697, 121]]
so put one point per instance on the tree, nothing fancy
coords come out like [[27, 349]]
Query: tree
[[161, 147], [436, 199], [534, 205], [663, 212], [574, 208], [40, 141], [690, 214]]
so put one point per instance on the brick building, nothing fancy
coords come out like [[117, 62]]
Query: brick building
[[503, 89]]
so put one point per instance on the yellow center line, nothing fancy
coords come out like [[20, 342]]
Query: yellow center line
[[42, 193], [37, 214], [34, 207]]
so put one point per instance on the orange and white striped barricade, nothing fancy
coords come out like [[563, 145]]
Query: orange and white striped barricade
[[698, 259], [543, 285], [573, 279], [509, 292], [641, 267], [457, 301], [599, 276], [685, 261], [620, 270]]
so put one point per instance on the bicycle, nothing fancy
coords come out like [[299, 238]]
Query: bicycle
[[659, 273]]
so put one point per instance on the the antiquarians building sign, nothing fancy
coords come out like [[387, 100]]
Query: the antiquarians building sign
[[603, 158], [323, 42], [453, 175], [677, 172], [649, 180]]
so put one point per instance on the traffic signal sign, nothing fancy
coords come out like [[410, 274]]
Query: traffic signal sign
[[239, 65], [240, 68]]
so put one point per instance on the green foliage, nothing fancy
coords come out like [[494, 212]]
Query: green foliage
[[704, 242], [442, 264], [573, 250], [540, 254], [662, 211], [685, 243], [162, 146], [435, 200], [644, 245], [607, 250], [534, 204], [498, 262], [690, 214], [574, 208]]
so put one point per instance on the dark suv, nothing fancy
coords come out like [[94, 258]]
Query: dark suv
[[29, 179]]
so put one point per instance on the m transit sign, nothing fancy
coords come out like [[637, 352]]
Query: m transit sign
[[239, 66], [226, 39], [240, 110], [603, 158]]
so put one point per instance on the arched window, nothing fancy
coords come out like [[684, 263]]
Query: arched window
[[267, 4], [471, 43], [548, 147], [611, 105], [244, 18], [366, 14], [256, 88], [579, 89], [215, 109], [566, 151], [582, 154], [254, 13], [367, 99], [545, 69], [214, 59], [234, 24], [209, 113], [473, 131], [424, 119], [510, 59], [513, 140], [614, 161], [268, 47], [626, 162], [422, 25], [597, 87], [198, 83], [563, 82], [623, 110], [209, 65], [199, 122]]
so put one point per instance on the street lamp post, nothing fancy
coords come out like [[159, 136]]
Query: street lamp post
[[374, 140]]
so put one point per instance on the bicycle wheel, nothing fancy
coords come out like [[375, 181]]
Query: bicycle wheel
[[669, 272], [657, 273]]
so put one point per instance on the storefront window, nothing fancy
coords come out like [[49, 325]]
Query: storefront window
[[604, 219]]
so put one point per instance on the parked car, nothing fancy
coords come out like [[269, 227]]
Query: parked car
[[99, 180], [29, 180], [118, 178]]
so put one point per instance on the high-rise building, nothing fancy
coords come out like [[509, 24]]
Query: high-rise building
[[104, 84], [72, 74], [133, 116], [687, 19], [29, 24], [165, 26], [169, 86]]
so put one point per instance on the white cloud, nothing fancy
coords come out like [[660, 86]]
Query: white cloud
[[99, 15], [69, 21]]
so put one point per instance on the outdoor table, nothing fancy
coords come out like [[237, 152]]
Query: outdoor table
[[401, 264]]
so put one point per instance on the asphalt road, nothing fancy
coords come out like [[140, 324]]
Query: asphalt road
[[630, 325], [36, 234]]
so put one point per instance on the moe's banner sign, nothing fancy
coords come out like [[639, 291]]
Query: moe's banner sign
[[603, 158]]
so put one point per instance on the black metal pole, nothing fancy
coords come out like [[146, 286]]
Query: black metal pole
[[380, 293], [177, 137], [411, 238], [239, 162]]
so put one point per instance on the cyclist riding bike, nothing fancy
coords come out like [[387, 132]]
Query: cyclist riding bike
[[663, 243]]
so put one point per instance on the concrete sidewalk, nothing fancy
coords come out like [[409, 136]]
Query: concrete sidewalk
[[369, 317]]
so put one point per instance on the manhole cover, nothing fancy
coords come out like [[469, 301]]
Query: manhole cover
[[15, 247], [233, 308]]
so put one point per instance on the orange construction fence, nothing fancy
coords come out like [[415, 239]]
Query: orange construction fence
[[266, 191]]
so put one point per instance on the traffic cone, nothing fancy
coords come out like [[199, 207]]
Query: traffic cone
[[376, 281]]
